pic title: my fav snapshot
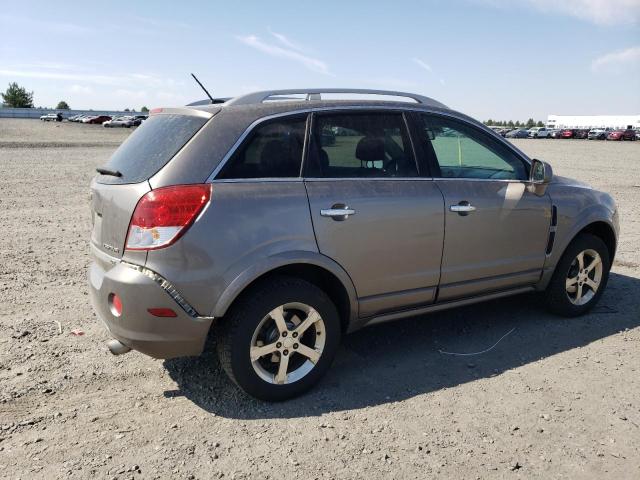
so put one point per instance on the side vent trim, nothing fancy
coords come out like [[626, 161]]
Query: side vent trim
[[552, 229]]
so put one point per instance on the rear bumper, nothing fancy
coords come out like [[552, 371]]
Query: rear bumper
[[158, 337]]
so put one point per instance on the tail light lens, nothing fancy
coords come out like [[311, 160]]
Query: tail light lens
[[164, 215]]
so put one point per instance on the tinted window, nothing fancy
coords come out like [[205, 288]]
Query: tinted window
[[360, 145], [151, 146], [273, 149], [462, 151]]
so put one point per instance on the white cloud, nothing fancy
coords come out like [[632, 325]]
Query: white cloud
[[617, 61], [285, 41], [422, 64], [310, 63], [600, 12], [82, 89], [50, 26], [125, 80], [425, 66], [131, 94]]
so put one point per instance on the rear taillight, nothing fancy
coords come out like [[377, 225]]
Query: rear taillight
[[165, 214]]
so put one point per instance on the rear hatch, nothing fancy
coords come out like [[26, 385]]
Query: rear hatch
[[115, 192]]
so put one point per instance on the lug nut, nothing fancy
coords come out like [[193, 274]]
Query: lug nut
[[295, 345], [294, 334], [278, 345], [285, 353], [284, 334]]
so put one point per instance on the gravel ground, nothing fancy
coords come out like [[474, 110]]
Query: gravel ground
[[556, 398]]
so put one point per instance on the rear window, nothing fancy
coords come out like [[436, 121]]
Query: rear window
[[151, 146]]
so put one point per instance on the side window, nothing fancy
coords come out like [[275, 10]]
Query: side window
[[464, 152], [273, 149], [351, 145]]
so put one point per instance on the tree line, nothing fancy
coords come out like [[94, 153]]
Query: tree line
[[16, 96], [504, 123]]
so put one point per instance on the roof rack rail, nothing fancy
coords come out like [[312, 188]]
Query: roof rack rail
[[316, 94]]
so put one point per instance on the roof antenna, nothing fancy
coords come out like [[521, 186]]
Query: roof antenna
[[202, 87]]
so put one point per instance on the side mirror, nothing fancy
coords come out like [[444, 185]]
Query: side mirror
[[541, 172]]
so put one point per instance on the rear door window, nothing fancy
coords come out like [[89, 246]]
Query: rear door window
[[352, 145], [151, 146], [273, 150]]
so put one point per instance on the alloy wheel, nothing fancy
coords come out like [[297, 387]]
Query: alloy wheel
[[584, 277], [287, 343]]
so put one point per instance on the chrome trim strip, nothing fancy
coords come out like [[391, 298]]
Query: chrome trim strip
[[170, 289], [503, 180], [368, 179], [261, 180], [396, 108]]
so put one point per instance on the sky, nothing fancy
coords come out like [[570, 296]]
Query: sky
[[496, 59]]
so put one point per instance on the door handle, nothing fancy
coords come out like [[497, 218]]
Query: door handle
[[463, 208], [337, 212]]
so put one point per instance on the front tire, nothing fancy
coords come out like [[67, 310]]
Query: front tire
[[580, 277], [279, 338]]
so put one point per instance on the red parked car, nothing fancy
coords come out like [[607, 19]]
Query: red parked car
[[627, 134], [567, 133], [100, 119]]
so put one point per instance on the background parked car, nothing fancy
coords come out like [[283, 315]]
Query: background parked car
[[49, 117], [621, 134], [567, 133], [124, 122], [556, 133], [597, 134], [518, 133], [533, 132], [581, 133], [543, 132], [99, 120], [138, 119]]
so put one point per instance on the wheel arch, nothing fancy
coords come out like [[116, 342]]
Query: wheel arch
[[312, 267], [599, 227]]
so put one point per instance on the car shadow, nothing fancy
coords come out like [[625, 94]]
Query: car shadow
[[398, 360]]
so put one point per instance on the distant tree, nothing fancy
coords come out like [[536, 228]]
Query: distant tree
[[17, 97], [511, 124], [490, 122], [531, 123], [539, 124], [62, 105], [144, 109], [517, 124], [126, 110], [133, 110]]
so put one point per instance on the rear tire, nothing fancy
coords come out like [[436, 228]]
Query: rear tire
[[580, 277], [279, 338]]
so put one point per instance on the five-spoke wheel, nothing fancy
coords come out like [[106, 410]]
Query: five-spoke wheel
[[580, 276], [584, 276], [287, 343], [279, 338]]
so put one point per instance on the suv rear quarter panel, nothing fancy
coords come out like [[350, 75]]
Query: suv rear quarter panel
[[245, 223]]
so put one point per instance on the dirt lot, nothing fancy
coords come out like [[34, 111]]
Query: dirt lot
[[556, 398]]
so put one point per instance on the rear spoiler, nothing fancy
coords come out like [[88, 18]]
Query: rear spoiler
[[181, 111], [207, 101]]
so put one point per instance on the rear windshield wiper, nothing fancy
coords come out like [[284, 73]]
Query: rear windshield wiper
[[106, 171]]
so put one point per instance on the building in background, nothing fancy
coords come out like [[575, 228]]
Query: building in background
[[593, 121]]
